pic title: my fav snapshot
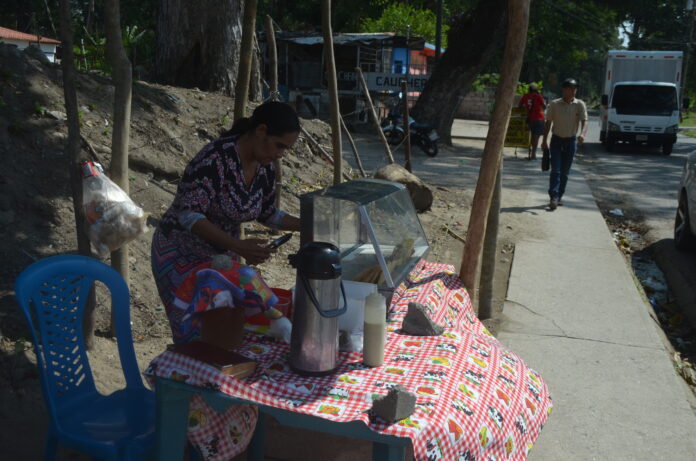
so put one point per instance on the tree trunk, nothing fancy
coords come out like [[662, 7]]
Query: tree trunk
[[241, 91], [492, 152], [474, 39], [333, 88], [490, 251], [122, 78], [76, 156], [90, 18], [198, 43]]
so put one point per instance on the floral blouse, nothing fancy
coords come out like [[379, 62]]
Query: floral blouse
[[213, 187]]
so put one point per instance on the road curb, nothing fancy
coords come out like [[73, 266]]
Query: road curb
[[479, 138], [681, 277]]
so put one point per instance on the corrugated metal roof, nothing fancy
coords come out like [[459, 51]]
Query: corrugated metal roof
[[381, 38], [17, 35]]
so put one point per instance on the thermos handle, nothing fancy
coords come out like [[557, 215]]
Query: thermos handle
[[326, 314]]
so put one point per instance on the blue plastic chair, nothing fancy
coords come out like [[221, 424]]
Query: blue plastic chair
[[121, 426]]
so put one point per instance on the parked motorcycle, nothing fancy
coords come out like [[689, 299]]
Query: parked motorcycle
[[422, 134]]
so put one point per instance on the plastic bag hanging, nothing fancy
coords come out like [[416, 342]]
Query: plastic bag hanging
[[113, 219]]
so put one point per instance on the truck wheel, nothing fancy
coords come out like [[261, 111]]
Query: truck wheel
[[683, 236], [667, 148]]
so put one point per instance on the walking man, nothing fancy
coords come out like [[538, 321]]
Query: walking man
[[534, 103], [563, 118]]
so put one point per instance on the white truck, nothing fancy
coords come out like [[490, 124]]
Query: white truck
[[641, 98]]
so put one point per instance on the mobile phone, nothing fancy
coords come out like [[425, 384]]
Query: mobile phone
[[279, 241]]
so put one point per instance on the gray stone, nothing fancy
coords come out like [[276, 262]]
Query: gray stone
[[421, 194], [398, 404], [58, 115], [418, 323]]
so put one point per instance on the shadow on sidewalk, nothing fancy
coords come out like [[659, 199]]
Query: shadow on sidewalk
[[524, 209]]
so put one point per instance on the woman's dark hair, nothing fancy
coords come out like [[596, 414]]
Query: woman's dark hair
[[277, 116]]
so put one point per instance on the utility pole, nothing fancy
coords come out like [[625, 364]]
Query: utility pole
[[438, 31]]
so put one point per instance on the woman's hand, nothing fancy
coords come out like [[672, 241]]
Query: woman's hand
[[254, 251]]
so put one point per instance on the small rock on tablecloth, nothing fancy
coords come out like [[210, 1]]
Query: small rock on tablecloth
[[398, 404], [417, 322]]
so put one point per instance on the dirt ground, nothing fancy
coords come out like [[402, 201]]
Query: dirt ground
[[169, 125]]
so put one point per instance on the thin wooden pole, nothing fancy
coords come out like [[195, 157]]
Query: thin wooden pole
[[246, 48], [122, 76], [272, 58], [273, 70], [355, 149], [321, 150], [490, 251], [407, 128], [333, 88], [518, 20], [373, 115], [75, 157]]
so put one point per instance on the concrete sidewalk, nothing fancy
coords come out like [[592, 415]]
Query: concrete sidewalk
[[574, 313]]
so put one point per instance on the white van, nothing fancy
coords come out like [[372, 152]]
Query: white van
[[640, 102]]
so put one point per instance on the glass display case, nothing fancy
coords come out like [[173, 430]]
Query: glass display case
[[373, 223]]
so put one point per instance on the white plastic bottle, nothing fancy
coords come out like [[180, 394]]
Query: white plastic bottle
[[375, 332]]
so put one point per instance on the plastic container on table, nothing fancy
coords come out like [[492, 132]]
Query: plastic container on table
[[356, 293]]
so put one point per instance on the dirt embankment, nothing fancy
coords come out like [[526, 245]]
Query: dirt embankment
[[169, 126]]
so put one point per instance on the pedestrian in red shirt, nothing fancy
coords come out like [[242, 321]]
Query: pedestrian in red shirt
[[534, 103]]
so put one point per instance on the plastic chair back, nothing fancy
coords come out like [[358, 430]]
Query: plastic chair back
[[52, 294]]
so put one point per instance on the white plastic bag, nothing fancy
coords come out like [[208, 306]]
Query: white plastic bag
[[113, 219]]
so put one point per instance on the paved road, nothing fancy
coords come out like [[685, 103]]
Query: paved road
[[643, 183], [638, 177]]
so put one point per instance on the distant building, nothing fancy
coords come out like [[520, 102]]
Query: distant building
[[22, 40], [383, 57]]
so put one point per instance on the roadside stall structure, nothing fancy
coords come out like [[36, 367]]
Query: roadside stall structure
[[385, 59]]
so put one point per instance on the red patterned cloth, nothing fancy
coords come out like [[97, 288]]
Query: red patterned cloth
[[476, 398]]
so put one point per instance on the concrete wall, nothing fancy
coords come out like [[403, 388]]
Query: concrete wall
[[479, 105], [476, 106]]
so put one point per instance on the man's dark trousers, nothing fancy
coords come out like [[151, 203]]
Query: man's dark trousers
[[562, 153]]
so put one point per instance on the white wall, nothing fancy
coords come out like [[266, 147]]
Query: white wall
[[49, 49]]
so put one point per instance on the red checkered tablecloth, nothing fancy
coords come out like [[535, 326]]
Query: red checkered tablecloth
[[476, 398]]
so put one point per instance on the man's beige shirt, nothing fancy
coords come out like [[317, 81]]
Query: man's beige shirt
[[566, 117]]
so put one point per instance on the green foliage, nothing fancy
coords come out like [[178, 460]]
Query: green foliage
[[398, 18], [523, 88], [491, 80], [224, 120], [484, 81], [39, 110], [570, 38]]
